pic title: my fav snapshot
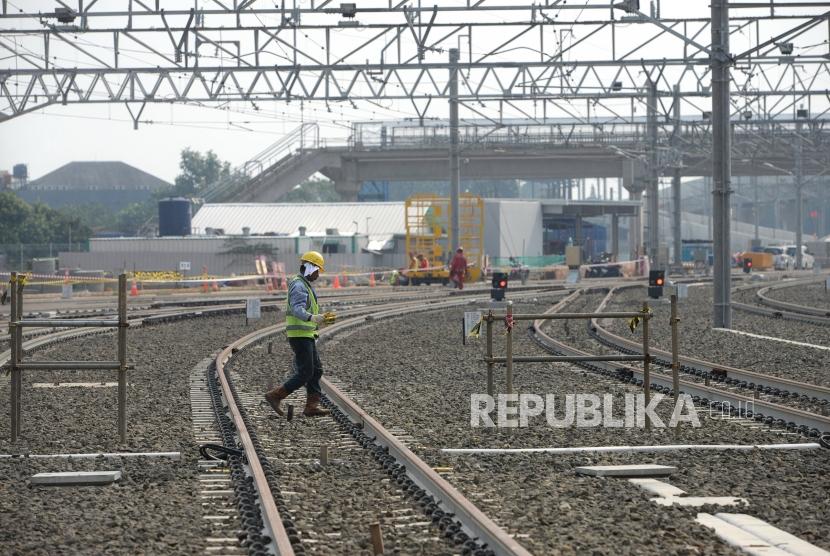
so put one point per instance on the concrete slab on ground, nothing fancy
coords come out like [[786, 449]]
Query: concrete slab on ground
[[659, 488], [72, 478], [757, 537], [697, 501], [641, 470]]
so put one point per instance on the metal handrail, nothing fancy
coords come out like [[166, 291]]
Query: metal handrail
[[300, 139]]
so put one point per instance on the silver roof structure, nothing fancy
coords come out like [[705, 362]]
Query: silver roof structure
[[285, 219]]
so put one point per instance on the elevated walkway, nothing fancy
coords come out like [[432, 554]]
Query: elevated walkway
[[401, 151]]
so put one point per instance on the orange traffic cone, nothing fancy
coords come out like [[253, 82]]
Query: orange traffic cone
[[371, 279], [134, 289], [336, 283], [284, 283]]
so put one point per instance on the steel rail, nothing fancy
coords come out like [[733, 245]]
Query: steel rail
[[270, 515], [663, 358], [774, 313], [274, 526], [473, 520], [761, 294], [816, 424]]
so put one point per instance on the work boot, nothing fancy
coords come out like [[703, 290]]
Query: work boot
[[312, 408], [274, 397]]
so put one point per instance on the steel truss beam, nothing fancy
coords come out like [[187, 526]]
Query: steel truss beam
[[227, 51]]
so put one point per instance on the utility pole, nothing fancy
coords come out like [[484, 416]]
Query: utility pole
[[675, 184], [653, 177], [799, 197], [754, 181], [455, 167], [721, 164]]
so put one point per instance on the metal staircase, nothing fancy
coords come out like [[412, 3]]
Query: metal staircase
[[269, 166]]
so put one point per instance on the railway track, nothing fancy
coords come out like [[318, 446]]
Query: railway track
[[790, 418], [216, 479], [442, 505], [230, 489], [774, 308], [715, 372]]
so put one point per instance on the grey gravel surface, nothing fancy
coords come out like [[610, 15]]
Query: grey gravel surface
[[333, 505], [810, 295], [156, 508], [413, 373], [697, 338], [577, 336]]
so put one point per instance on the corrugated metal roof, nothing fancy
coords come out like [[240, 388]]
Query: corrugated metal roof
[[286, 218]]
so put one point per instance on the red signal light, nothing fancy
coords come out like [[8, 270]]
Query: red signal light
[[749, 263], [659, 281], [502, 283]]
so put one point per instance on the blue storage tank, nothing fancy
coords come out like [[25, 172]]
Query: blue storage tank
[[20, 171], [174, 217]]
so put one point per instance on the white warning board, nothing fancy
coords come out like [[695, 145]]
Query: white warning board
[[66, 291], [253, 308], [471, 319]]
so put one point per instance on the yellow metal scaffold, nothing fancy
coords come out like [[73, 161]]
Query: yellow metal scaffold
[[427, 224]]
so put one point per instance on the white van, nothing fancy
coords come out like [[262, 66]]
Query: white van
[[807, 260]]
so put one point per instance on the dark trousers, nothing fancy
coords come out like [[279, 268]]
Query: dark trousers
[[307, 366]]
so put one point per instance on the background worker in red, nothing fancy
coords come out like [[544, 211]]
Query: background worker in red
[[422, 261], [458, 268], [302, 319]]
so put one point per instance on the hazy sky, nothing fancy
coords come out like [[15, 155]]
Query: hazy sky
[[56, 135]]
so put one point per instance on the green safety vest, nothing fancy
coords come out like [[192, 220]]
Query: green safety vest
[[296, 327]]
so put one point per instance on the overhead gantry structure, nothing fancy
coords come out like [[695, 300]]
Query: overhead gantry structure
[[598, 62]]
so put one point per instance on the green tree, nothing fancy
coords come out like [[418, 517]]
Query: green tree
[[14, 212], [21, 222], [92, 215], [198, 172], [132, 219], [312, 191]]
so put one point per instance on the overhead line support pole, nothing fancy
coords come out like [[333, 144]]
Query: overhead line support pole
[[675, 185], [721, 164], [799, 197], [455, 167], [653, 178]]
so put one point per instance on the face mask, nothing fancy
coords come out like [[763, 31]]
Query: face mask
[[310, 269]]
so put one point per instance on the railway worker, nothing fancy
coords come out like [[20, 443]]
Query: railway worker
[[413, 261], [458, 268], [423, 263], [302, 320]]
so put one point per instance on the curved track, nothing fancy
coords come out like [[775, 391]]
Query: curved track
[[729, 376], [783, 309], [447, 506], [455, 515], [793, 419]]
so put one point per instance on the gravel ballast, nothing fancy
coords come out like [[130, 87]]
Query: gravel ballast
[[155, 508], [413, 373], [810, 295], [698, 339], [331, 505]]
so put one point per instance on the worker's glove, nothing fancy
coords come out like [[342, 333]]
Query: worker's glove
[[329, 317], [317, 319]]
